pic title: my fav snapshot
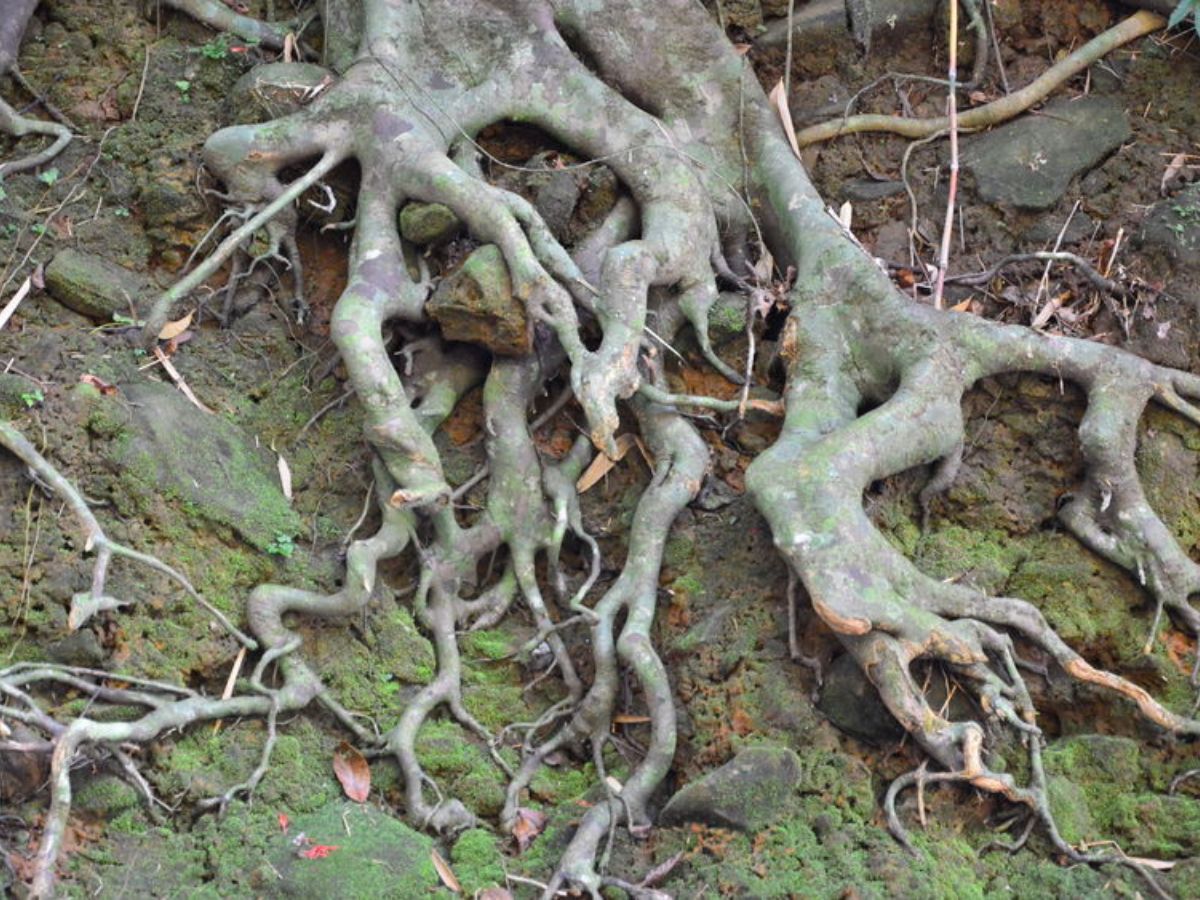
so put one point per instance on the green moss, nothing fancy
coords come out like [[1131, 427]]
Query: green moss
[[490, 643], [496, 705], [678, 552], [985, 558], [477, 861], [205, 763], [1108, 774], [559, 785], [104, 794], [462, 768]]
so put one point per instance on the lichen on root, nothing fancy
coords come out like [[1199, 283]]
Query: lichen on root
[[706, 166]]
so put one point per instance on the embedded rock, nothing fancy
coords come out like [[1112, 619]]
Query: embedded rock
[[1030, 162], [475, 303], [750, 791], [428, 223], [93, 286]]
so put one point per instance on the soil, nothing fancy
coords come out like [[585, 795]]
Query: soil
[[145, 93]]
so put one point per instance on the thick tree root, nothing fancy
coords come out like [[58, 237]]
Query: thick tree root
[[408, 111]]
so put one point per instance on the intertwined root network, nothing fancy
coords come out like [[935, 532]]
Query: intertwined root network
[[705, 164]]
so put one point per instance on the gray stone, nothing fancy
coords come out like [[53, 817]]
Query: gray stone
[[92, 286], [1045, 231], [428, 223], [866, 190], [556, 201], [81, 648], [475, 303], [1029, 163], [852, 703], [750, 791], [1172, 228], [376, 856], [891, 242], [275, 90], [168, 447]]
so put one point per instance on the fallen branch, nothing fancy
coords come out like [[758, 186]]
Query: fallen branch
[[1138, 25]]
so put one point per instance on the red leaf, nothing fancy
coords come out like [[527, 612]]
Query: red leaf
[[283, 822], [352, 771], [318, 851]]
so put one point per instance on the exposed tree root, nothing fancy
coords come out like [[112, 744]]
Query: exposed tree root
[[12, 28], [408, 111], [1138, 25]]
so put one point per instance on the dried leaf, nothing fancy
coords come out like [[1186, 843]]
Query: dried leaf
[[284, 821], [602, 464], [494, 893], [661, 871], [285, 477], [1161, 865], [352, 771], [11, 306], [764, 269], [84, 606], [445, 872], [530, 823], [613, 784], [778, 99], [846, 215], [233, 674], [38, 276], [965, 306], [99, 384], [318, 851], [625, 719], [1174, 167], [178, 379], [176, 328]]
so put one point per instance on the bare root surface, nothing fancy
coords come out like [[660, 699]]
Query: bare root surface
[[408, 111]]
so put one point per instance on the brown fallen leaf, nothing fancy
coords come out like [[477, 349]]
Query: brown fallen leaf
[[176, 328], [1174, 167], [530, 823], [778, 99], [627, 719], [352, 771], [99, 384], [602, 464], [494, 893], [445, 872]]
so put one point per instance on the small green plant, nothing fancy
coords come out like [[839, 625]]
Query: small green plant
[[3, 193], [10, 229], [121, 212], [32, 398], [1182, 11], [48, 177], [38, 228], [185, 88], [284, 545], [217, 48]]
